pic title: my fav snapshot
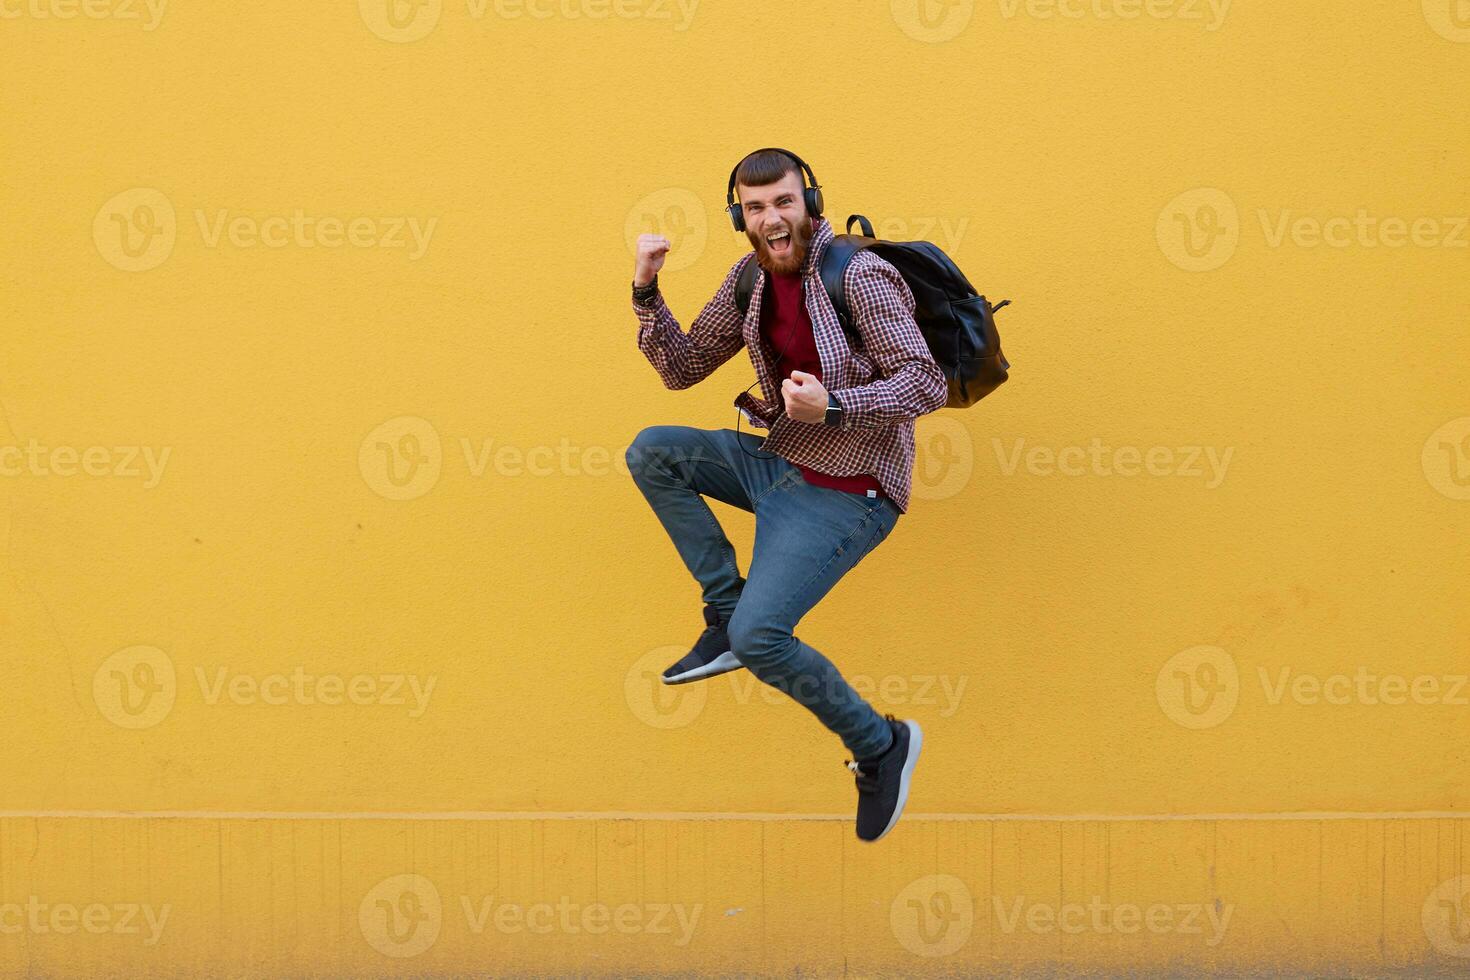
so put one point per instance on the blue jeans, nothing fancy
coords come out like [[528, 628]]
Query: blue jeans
[[806, 538]]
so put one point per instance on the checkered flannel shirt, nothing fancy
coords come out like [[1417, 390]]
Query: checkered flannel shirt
[[883, 387]]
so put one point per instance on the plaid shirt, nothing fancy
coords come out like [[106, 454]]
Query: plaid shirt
[[883, 388]]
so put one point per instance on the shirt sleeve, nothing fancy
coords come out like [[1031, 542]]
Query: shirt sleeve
[[912, 383], [685, 359]]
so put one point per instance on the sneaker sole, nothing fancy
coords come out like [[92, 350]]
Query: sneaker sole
[[722, 664], [916, 742]]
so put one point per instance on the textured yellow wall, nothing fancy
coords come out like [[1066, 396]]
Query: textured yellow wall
[[316, 373]]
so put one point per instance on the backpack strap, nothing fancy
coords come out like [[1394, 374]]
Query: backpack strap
[[744, 286], [835, 261]]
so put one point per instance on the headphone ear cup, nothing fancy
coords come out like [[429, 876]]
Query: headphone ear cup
[[737, 216], [814, 201]]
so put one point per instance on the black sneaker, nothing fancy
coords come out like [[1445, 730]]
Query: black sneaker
[[711, 654], [883, 781]]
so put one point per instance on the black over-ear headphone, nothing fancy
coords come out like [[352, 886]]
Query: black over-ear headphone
[[811, 190]]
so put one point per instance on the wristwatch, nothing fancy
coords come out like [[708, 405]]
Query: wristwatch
[[645, 295], [834, 411]]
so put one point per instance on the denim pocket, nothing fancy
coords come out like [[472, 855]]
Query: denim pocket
[[882, 523], [861, 501]]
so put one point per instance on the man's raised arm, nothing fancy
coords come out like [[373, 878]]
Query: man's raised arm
[[683, 359]]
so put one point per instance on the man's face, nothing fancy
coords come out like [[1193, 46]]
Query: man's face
[[777, 224]]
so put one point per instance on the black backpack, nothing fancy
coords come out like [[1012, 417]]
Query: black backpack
[[957, 323]]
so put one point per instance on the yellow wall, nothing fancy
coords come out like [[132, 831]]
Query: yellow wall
[[341, 418]]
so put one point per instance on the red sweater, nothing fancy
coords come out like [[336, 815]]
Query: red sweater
[[787, 328]]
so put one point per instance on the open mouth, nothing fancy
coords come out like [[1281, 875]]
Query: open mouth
[[779, 241]]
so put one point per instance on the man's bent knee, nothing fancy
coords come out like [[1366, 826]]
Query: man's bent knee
[[756, 644], [652, 449]]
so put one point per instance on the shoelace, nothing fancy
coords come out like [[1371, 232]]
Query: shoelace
[[867, 779], [867, 773]]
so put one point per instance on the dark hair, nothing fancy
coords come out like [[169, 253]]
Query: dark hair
[[765, 167]]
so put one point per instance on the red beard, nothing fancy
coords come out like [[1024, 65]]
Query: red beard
[[790, 261]]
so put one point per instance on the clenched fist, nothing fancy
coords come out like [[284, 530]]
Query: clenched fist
[[652, 250], [806, 399]]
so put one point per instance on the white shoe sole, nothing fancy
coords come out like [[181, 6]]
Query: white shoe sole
[[916, 742], [724, 663]]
